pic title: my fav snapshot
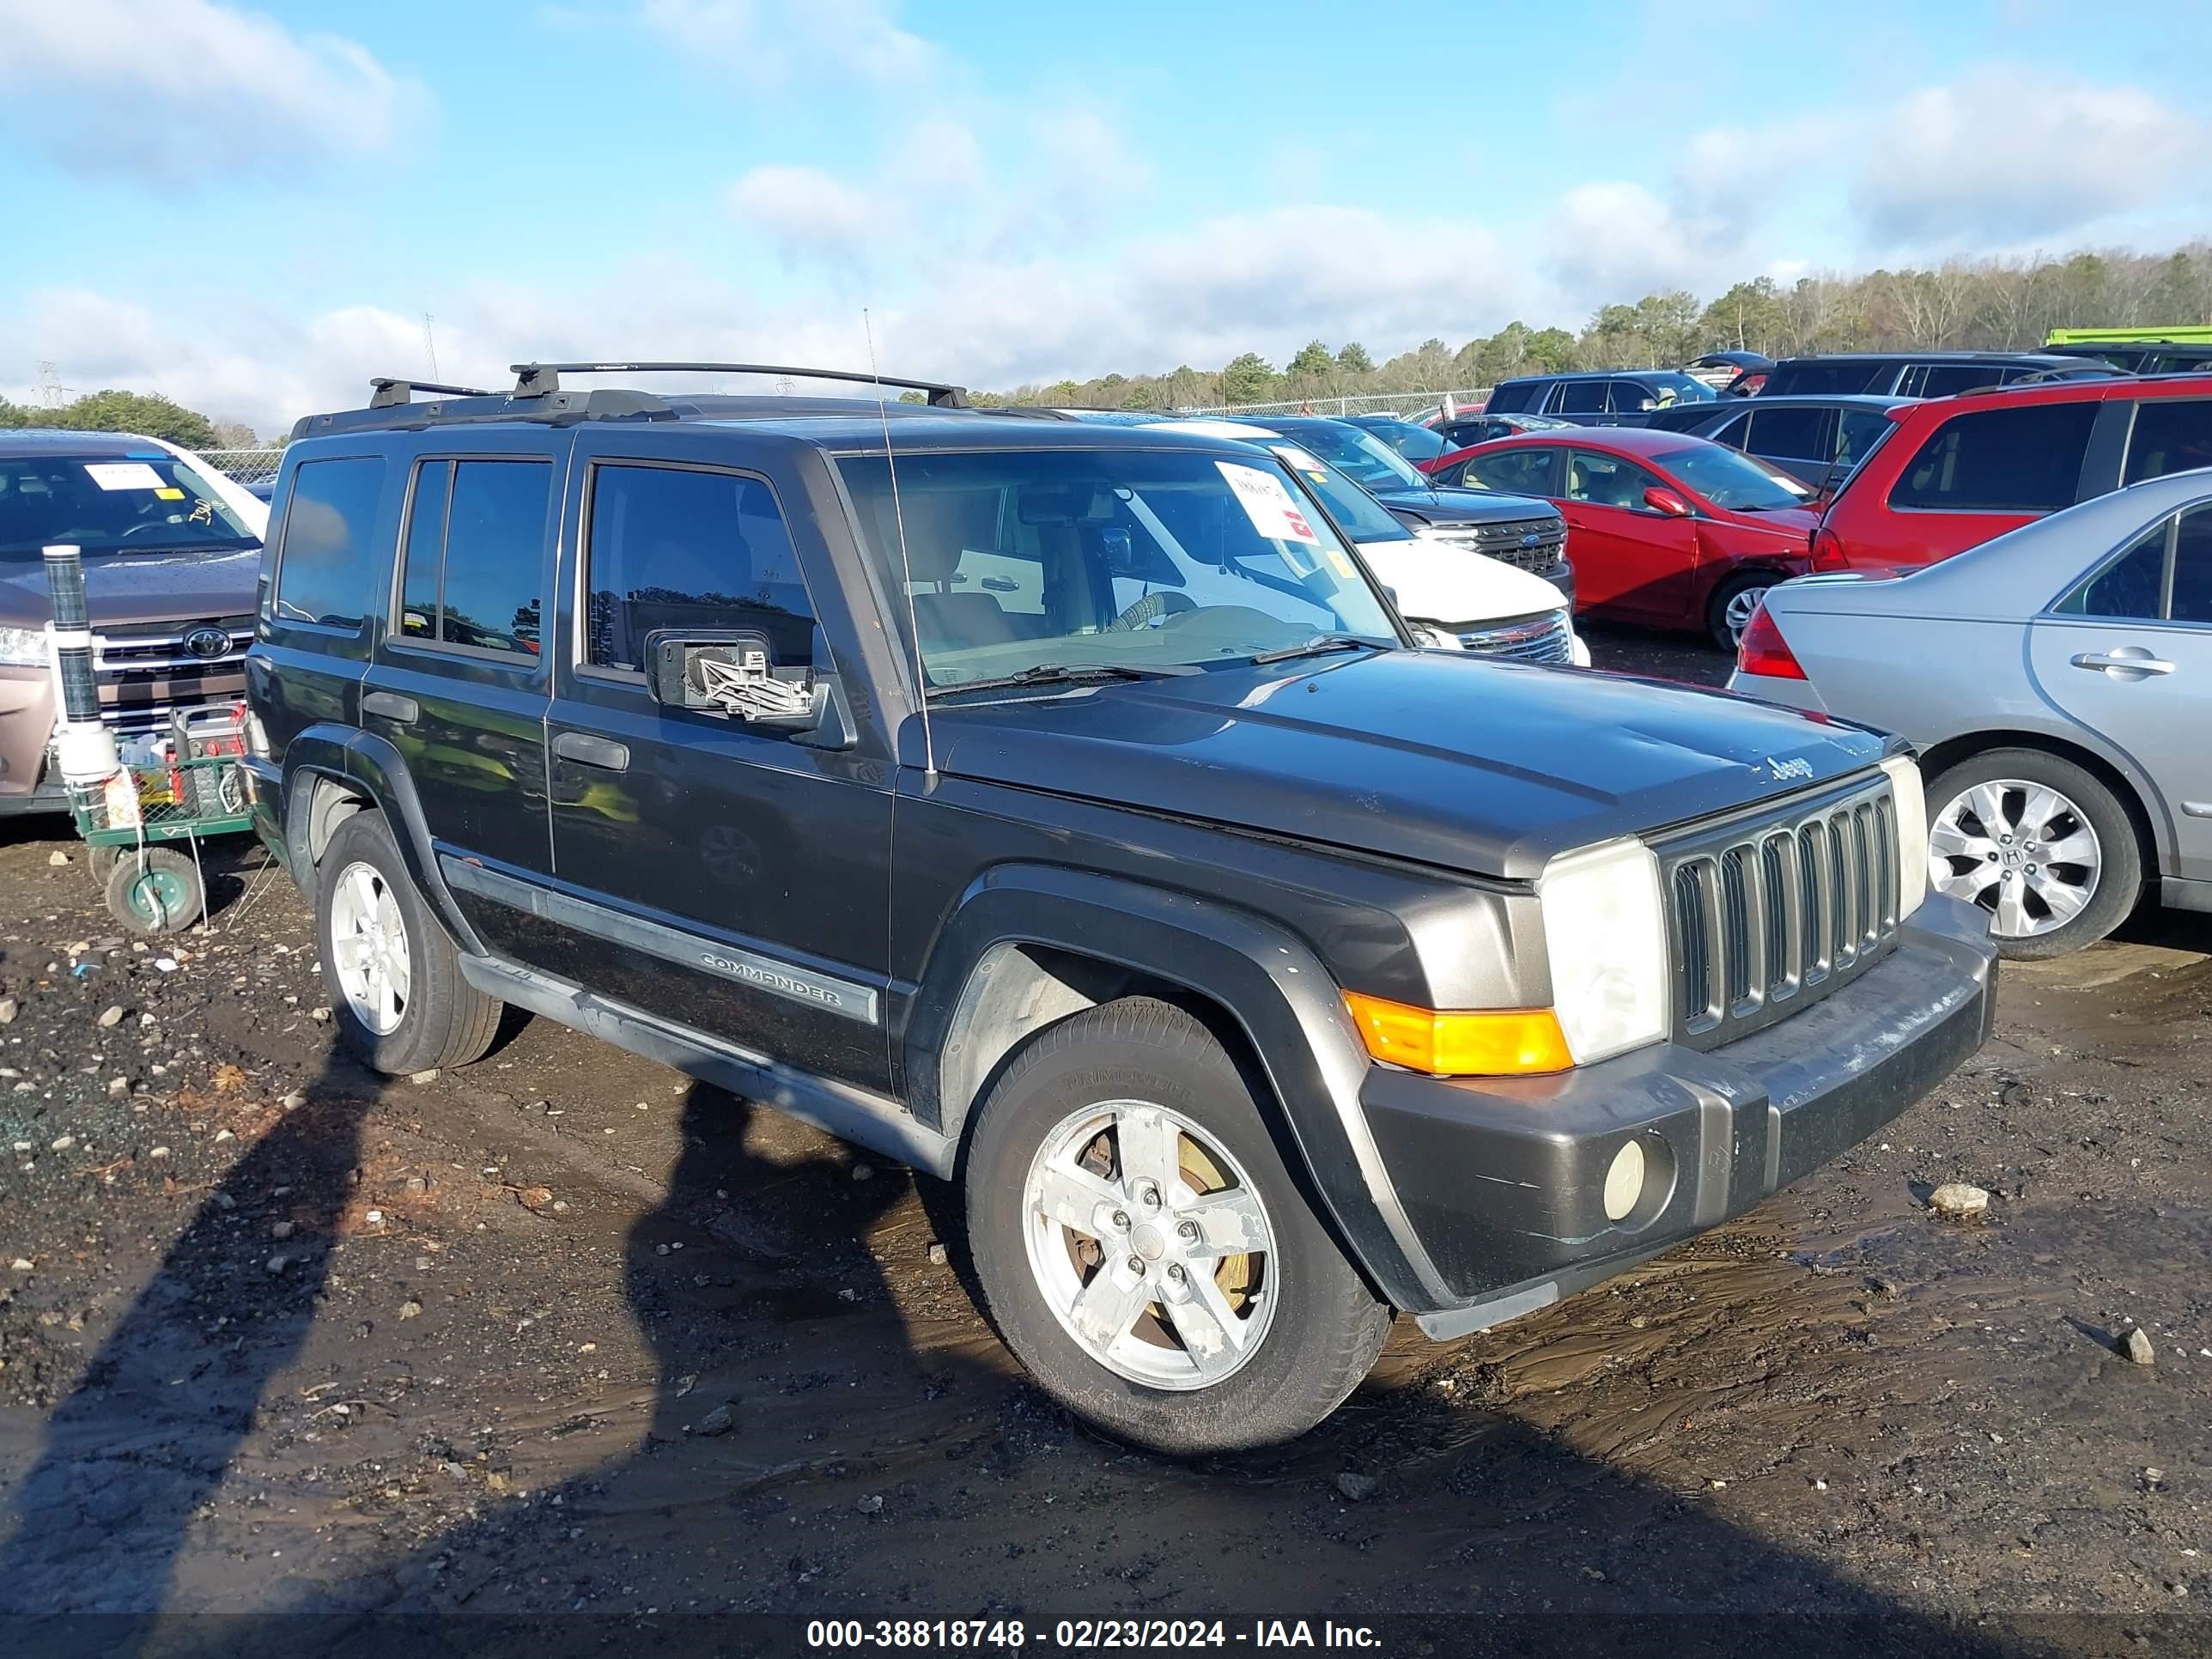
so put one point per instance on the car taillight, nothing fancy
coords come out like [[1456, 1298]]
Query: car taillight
[[1828, 550], [1762, 650]]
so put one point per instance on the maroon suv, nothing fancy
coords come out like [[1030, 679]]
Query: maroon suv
[[171, 553]]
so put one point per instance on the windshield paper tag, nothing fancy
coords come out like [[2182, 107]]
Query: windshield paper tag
[[123, 475], [1267, 504], [1298, 461]]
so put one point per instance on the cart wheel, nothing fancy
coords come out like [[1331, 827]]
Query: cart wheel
[[101, 860], [154, 891]]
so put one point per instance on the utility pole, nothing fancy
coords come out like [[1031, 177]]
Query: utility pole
[[430, 345]]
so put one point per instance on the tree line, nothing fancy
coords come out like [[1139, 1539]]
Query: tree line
[[2002, 305], [147, 413]]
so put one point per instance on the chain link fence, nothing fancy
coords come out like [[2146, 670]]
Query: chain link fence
[[1370, 403], [247, 465]]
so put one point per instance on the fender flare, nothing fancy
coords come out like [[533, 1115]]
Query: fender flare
[[1267, 979], [376, 767]]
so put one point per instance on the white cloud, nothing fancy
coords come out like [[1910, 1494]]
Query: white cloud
[[805, 210], [174, 91], [1617, 240], [2007, 155], [776, 42]]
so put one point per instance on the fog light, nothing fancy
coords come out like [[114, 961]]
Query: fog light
[[1624, 1181]]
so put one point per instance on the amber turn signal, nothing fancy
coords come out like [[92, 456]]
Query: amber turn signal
[[1483, 1042]]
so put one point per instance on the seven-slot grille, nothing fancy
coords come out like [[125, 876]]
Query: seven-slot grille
[[1768, 917], [1536, 544], [1543, 638]]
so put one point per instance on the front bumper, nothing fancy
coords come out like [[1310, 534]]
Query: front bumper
[[1503, 1180], [26, 725]]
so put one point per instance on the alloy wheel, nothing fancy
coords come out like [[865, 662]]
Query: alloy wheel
[[368, 948], [2020, 850], [1150, 1245]]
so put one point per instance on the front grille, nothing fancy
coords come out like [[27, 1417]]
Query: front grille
[[1533, 545], [145, 670], [1767, 916], [1527, 639]]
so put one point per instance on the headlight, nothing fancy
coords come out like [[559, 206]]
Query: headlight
[[1607, 936], [23, 647], [1911, 833]]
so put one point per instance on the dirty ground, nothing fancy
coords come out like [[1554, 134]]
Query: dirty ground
[[561, 1334]]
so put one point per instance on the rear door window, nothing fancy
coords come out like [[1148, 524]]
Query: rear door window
[[2022, 459], [2171, 435], [330, 566], [2192, 567], [1796, 434], [1582, 397], [1514, 472]]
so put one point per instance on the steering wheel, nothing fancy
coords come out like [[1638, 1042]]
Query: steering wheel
[[1165, 602], [140, 529]]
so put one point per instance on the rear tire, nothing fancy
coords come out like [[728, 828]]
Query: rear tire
[[156, 889], [2081, 849], [392, 976], [1220, 1317]]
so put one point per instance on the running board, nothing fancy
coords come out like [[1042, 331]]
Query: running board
[[873, 1120]]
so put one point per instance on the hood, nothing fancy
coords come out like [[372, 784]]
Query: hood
[[175, 585], [1454, 506], [1435, 582], [1455, 761]]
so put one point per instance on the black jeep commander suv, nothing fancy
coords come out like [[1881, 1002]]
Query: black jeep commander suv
[[1063, 809]]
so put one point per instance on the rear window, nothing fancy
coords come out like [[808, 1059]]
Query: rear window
[[329, 558], [148, 503], [1830, 379], [2171, 435], [1513, 396], [2022, 459]]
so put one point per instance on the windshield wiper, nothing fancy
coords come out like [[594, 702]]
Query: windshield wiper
[[1056, 673], [1316, 646]]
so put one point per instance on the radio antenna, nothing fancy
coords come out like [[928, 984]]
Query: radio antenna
[[906, 566]]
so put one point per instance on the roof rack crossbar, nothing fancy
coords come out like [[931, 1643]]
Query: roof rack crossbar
[[536, 379], [388, 391]]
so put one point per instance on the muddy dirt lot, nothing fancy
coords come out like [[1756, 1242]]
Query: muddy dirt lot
[[563, 1335]]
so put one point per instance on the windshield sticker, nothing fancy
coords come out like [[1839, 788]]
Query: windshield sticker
[[1267, 504], [170, 493], [123, 475], [1298, 461], [1340, 563]]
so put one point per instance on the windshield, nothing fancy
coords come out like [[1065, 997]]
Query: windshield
[[1729, 477], [1415, 443], [1109, 558], [1365, 457], [1363, 517], [1671, 386], [144, 502]]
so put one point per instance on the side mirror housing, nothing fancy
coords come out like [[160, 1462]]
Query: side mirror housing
[[1666, 501], [727, 672]]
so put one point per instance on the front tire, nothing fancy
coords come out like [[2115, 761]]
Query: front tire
[[1144, 1249], [2037, 844], [393, 976]]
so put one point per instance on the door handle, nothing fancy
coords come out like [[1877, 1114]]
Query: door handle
[[587, 751], [2123, 662], [391, 706]]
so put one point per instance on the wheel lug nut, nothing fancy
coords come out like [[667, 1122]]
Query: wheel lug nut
[[1175, 1274], [1121, 1221], [1188, 1232], [1137, 1266]]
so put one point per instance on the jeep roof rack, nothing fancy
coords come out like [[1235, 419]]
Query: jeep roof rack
[[537, 379]]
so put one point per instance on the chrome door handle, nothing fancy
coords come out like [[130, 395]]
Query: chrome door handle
[[588, 751], [391, 706], [2123, 662]]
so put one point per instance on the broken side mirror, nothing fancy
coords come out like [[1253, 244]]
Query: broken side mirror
[[729, 672]]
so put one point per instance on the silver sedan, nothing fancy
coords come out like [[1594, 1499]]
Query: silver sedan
[[2057, 683]]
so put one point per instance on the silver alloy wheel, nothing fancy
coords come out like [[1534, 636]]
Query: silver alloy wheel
[[2020, 850], [1150, 1245], [1740, 608], [368, 948]]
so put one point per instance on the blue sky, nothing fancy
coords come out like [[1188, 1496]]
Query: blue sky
[[252, 208]]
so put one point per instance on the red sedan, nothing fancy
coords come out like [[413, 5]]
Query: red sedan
[[1667, 529]]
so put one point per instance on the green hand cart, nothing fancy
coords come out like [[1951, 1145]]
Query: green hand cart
[[144, 826]]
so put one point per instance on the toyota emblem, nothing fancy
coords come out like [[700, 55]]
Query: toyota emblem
[[208, 643]]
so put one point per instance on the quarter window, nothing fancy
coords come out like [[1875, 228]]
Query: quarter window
[[323, 572], [2171, 435], [2022, 459], [2131, 585], [474, 570], [679, 547], [1513, 398]]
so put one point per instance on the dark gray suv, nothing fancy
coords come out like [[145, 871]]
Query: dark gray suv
[[1061, 808]]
